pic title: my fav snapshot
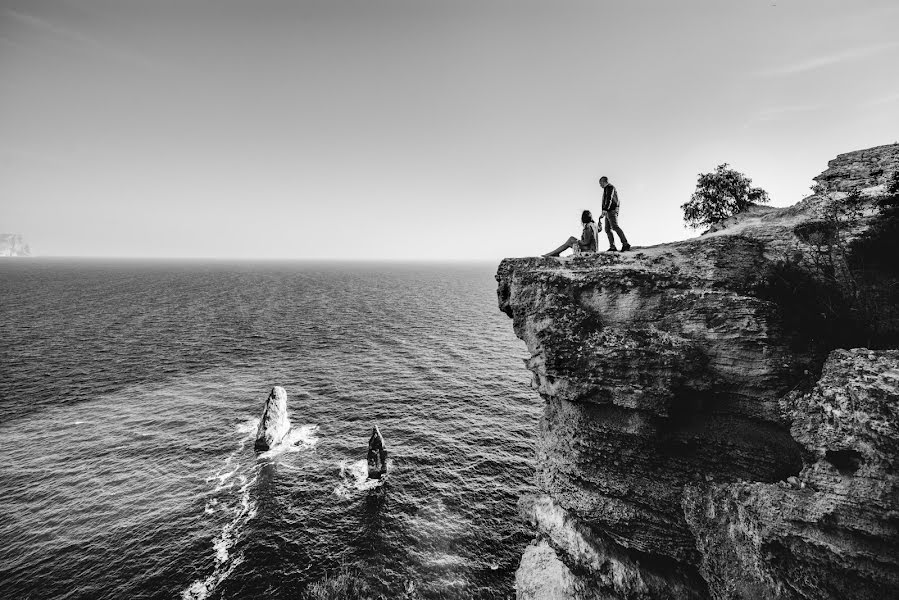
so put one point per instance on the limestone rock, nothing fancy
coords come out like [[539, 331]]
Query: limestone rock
[[606, 568], [543, 576], [274, 423], [860, 169], [837, 535], [667, 375]]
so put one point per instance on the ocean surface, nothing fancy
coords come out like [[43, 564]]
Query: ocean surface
[[130, 393]]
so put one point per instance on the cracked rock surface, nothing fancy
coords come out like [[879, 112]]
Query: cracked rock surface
[[683, 452]]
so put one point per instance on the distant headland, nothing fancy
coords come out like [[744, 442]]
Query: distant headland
[[12, 244]]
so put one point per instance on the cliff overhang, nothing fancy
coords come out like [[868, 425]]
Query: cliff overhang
[[676, 451]]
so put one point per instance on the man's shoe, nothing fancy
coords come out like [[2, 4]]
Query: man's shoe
[[612, 249], [625, 247]]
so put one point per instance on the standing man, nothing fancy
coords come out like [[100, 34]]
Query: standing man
[[610, 207]]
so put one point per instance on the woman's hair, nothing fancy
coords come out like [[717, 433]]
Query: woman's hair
[[586, 217]]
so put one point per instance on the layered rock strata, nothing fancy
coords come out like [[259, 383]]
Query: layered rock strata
[[274, 423], [670, 378], [832, 531], [860, 169]]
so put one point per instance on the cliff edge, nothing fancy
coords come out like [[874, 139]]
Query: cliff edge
[[703, 436]]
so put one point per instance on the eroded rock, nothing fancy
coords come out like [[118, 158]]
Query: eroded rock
[[834, 533], [668, 376], [860, 169], [274, 423]]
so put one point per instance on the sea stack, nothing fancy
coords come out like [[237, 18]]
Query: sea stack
[[274, 424], [377, 455]]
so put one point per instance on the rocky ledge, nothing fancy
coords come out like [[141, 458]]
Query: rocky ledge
[[702, 435]]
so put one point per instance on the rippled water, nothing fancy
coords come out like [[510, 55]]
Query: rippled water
[[129, 396]]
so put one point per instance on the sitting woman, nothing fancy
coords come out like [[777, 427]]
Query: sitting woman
[[587, 243]]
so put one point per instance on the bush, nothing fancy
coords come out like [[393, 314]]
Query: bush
[[841, 288], [719, 195]]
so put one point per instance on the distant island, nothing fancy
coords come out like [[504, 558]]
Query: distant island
[[12, 244]]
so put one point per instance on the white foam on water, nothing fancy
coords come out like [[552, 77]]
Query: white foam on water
[[354, 478], [303, 437], [238, 502], [444, 560], [297, 439], [249, 427], [199, 590], [224, 477]]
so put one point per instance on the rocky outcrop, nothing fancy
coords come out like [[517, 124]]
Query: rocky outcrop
[[274, 423], [599, 567], [377, 455], [12, 244], [832, 531], [670, 378], [860, 169]]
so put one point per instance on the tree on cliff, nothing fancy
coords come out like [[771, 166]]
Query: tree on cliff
[[719, 195]]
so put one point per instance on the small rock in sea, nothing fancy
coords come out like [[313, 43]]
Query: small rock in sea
[[274, 424], [377, 455]]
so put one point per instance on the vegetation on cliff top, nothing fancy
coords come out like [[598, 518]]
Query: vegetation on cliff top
[[719, 195], [842, 289]]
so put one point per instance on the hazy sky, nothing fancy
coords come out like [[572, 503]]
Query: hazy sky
[[416, 129]]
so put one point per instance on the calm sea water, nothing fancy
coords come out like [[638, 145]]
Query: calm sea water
[[129, 396]]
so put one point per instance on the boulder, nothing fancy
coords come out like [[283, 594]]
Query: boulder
[[274, 424]]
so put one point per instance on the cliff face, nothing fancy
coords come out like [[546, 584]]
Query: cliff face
[[12, 244], [859, 169], [682, 452]]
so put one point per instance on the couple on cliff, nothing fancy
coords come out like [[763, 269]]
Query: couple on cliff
[[589, 241]]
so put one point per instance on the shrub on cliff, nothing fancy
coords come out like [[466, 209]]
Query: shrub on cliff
[[880, 246], [719, 195], [840, 289]]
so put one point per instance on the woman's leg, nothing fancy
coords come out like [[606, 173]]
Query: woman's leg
[[571, 242]]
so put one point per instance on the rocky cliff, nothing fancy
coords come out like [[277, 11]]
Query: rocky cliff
[[859, 169], [12, 244], [702, 438]]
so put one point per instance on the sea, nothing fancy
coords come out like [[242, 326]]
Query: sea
[[130, 395]]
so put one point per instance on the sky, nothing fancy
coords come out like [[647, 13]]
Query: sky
[[417, 129]]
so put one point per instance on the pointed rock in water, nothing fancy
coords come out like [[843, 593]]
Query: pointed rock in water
[[377, 455], [274, 424]]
